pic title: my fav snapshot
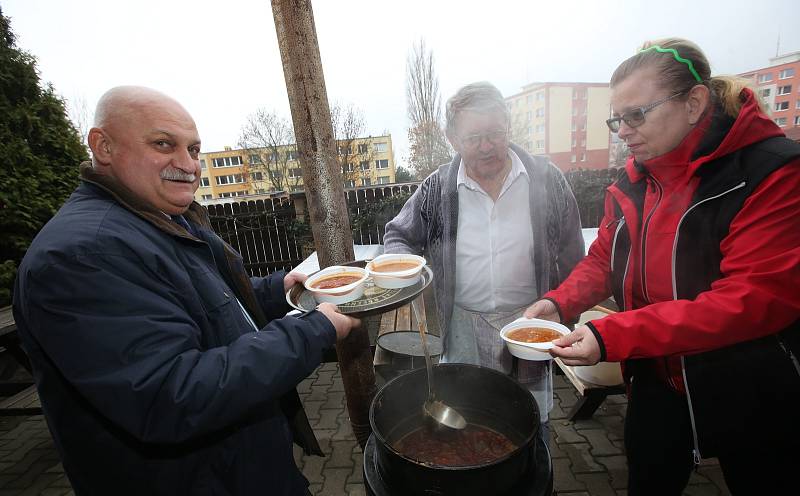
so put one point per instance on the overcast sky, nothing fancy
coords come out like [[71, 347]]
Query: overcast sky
[[221, 60]]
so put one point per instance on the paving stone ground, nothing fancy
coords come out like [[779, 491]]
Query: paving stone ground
[[588, 456]]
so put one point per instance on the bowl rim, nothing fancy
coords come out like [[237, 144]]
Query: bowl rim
[[395, 256], [524, 322], [341, 290]]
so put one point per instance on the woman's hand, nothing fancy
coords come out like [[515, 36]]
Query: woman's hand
[[579, 347]]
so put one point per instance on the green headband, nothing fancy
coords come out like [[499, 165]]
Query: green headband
[[677, 57]]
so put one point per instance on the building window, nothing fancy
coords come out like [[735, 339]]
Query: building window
[[382, 164], [529, 99], [574, 111], [364, 165], [275, 175], [230, 179], [291, 155], [574, 127], [528, 116], [781, 106], [540, 112], [348, 168], [255, 159], [204, 182], [203, 164], [583, 157], [383, 179], [583, 143], [256, 176], [380, 147], [366, 182], [363, 148], [797, 120], [785, 90], [574, 94], [295, 172], [350, 184], [539, 128], [781, 121], [572, 159], [583, 126], [345, 150], [540, 96], [766, 92], [207, 197], [297, 188], [765, 78], [786, 73], [540, 144], [797, 105], [227, 161], [232, 194], [574, 142]]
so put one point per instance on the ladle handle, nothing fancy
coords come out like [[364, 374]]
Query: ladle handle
[[422, 326]]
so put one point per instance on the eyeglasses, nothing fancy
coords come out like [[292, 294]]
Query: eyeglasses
[[635, 117], [474, 140]]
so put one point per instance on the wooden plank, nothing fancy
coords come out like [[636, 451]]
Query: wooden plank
[[6, 320], [388, 320], [404, 318], [26, 402]]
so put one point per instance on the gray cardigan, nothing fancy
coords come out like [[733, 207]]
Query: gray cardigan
[[428, 222]]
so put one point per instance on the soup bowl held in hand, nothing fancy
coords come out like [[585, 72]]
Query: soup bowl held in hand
[[337, 284], [531, 339], [396, 270]]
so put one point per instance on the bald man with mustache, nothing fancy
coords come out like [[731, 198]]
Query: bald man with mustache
[[162, 367]]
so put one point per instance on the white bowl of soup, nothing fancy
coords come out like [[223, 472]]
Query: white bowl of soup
[[531, 339], [396, 270], [337, 284]]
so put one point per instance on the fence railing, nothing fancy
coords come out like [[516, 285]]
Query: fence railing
[[265, 231]]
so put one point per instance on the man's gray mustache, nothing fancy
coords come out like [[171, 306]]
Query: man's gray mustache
[[177, 175]]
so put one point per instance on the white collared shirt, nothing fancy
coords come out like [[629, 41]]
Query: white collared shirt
[[494, 247]]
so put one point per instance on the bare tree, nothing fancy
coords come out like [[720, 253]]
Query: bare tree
[[354, 153], [78, 113], [428, 146], [268, 141]]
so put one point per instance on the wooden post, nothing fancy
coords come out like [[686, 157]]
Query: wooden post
[[322, 180]]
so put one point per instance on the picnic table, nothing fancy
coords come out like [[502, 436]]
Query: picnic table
[[23, 399]]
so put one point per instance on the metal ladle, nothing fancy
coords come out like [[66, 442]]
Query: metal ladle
[[438, 411]]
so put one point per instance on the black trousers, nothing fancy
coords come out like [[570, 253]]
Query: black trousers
[[659, 444]]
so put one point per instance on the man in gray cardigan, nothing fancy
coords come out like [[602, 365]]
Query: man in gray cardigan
[[499, 227]]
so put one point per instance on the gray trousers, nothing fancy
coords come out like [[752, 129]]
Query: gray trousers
[[475, 338]]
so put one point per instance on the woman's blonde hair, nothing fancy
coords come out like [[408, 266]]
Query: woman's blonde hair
[[679, 75]]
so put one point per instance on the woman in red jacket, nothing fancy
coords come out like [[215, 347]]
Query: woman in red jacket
[[700, 246]]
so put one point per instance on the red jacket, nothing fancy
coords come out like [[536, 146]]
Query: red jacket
[[757, 294]]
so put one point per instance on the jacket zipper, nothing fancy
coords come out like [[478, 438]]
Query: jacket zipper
[[620, 225], [645, 225], [789, 353], [696, 451]]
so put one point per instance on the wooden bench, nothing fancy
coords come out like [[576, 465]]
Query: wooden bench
[[26, 402], [591, 395]]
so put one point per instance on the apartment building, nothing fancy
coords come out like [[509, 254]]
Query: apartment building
[[779, 86], [566, 121], [232, 173]]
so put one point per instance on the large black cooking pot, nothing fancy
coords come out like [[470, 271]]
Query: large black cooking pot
[[483, 396]]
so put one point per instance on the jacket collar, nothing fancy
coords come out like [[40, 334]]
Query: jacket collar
[[128, 199]]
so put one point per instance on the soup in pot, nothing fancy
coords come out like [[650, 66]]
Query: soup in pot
[[533, 335], [473, 445], [336, 281]]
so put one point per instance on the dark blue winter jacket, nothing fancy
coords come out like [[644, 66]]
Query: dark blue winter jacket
[[152, 380]]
